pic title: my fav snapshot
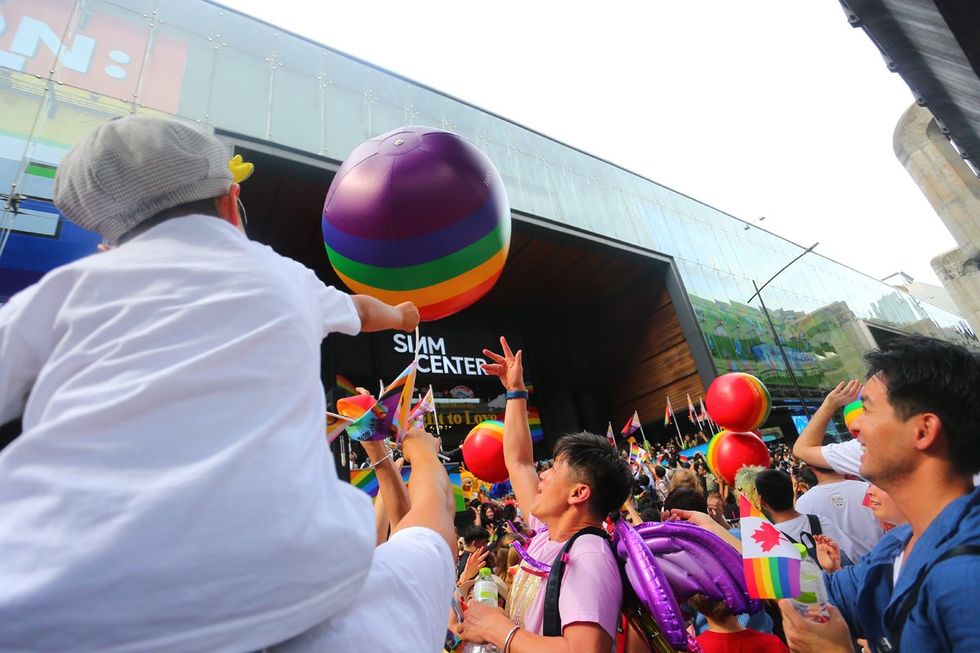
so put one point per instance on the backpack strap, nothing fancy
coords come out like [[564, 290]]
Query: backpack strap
[[891, 646], [552, 618], [815, 527]]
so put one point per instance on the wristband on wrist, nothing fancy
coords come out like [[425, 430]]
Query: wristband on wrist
[[510, 638], [516, 394], [388, 455]]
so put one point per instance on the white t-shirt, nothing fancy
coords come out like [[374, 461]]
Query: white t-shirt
[[403, 605], [799, 525], [172, 489], [843, 457], [842, 502]]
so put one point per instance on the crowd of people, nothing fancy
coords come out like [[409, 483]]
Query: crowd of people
[[172, 489]]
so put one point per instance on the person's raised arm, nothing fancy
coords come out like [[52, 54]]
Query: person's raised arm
[[391, 489], [808, 446], [518, 452], [433, 505], [377, 316]]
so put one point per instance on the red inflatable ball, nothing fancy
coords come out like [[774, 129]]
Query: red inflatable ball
[[733, 450], [483, 452], [738, 402]]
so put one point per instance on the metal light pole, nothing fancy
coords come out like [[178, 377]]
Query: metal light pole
[[772, 327]]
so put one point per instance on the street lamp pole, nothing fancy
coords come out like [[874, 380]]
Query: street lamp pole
[[772, 327]]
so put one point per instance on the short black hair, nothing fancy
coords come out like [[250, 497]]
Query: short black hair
[[925, 375], [474, 533], [596, 463], [686, 499], [808, 477], [775, 488], [660, 471]]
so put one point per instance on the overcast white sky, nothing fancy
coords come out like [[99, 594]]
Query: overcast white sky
[[774, 108]]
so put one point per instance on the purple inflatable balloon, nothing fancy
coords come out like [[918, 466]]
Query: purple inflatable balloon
[[650, 585]]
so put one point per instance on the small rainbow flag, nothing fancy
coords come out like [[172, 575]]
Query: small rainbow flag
[[770, 561], [631, 425], [534, 421], [610, 435], [345, 386]]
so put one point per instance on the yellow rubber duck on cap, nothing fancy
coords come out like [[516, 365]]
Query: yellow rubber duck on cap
[[240, 170]]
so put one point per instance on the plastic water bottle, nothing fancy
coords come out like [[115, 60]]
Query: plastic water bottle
[[484, 591], [812, 601], [485, 588]]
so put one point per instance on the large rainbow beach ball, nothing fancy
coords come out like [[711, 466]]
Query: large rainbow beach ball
[[483, 452], [738, 402], [420, 215], [729, 451]]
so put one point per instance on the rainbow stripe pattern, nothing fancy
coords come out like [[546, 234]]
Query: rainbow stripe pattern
[[345, 386], [852, 411], [534, 421], [771, 562], [418, 214], [367, 480]]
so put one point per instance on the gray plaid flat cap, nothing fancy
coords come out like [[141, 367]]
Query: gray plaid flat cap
[[131, 168]]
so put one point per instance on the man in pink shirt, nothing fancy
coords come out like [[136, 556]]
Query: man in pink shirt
[[587, 481]]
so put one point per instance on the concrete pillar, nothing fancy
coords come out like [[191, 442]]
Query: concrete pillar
[[953, 190], [961, 278]]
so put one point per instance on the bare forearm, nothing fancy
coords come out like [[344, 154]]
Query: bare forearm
[[519, 454], [392, 491], [578, 638], [381, 521], [376, 315], [431, 499], [808, 446]]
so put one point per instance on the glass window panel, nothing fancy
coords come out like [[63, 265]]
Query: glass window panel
[[191, 72], [240, 93], [296, 114]]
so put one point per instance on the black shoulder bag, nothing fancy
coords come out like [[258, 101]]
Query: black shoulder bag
[[552, 618]]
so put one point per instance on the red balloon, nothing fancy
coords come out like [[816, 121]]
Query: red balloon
[[736, 450], [738, 401], [483, 452]]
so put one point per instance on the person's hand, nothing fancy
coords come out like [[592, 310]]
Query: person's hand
[[418, 442], [843, 394], [701, 519], [805, 636], [481, 624], [828, 553], [509, 367], [410, 316], [863, 643], [474, 564]]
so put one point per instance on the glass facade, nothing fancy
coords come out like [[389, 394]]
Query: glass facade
[[66, 65]]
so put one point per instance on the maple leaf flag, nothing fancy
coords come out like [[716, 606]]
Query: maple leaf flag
[[770, 560]]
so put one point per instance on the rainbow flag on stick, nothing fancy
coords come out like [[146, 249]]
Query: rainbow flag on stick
[[631, 425], [345, 386], [770, 561], [426, 404]]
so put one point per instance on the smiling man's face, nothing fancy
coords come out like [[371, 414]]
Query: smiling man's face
[[889, 442]]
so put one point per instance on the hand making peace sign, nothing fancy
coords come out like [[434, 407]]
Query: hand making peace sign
[[509, 368]]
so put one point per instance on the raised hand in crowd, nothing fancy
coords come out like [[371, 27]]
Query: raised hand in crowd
[[808, 446], [508, 366], [474, 563]]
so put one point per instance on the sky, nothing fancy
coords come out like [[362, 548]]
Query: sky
[[761, 108]]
